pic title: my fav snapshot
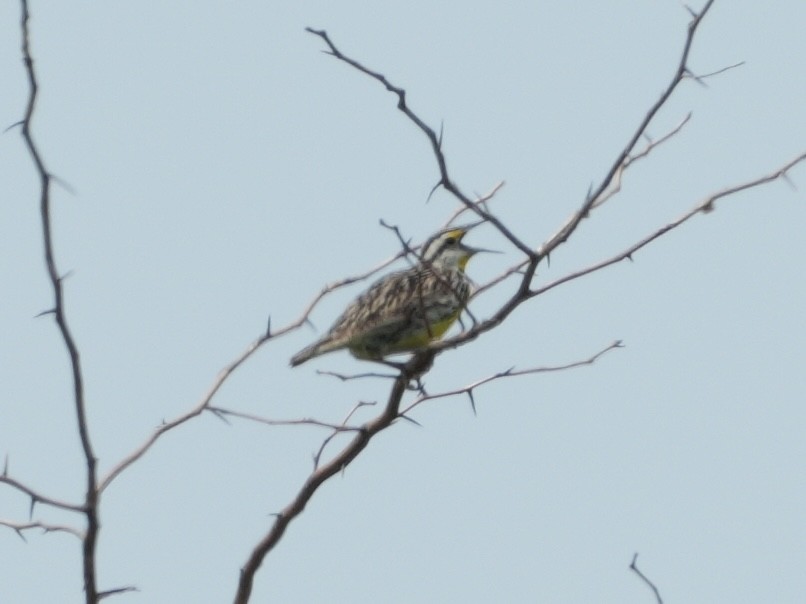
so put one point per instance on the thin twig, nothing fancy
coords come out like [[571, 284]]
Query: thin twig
[[282, 422], [705, 206], [355, 376], [317, 457], [562, 235], [45, 527], [480, 201], [700, 78], [634, 568], [614, 188], [615, 185], [511, 372], [200, 407]]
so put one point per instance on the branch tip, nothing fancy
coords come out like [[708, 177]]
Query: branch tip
[[634, 567]]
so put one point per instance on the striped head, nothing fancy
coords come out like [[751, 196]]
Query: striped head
[[446, 252]]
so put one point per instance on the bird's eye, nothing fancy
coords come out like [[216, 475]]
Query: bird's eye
[[450, 240]]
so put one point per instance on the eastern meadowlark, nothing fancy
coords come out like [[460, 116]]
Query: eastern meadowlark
[[405, 310]]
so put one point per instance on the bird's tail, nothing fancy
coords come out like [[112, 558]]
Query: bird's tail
[[314, 350], [305, 354]]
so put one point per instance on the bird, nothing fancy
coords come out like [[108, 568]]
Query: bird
[[405, 310]]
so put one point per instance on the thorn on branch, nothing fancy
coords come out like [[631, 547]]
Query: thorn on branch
[[687, 73], [472, 402], [115, 591], [14, 125], [51, 311], [268, 327], [433, 190], [409, 419], [63, 184], [785, 177], [217, 413]]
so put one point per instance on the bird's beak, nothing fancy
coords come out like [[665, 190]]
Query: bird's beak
[[476, 250]]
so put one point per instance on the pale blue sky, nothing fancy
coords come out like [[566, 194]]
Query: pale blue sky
[[225, 169]]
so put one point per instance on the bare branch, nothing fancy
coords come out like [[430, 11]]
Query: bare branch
[[634, 568], [615, 185], [37, 497], [700, 79], [90, 507], [416, 366], [355, 376], [200, 407], [511, 372], [283, 422], [317, 457], [614, 188], [480, 201], [524, 293], [434, 139], [45, 527], [704, 206], [681, 70]]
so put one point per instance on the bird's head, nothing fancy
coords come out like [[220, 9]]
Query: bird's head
[[445, 250]]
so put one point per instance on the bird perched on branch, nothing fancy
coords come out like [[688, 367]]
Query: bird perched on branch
[[406, 310]]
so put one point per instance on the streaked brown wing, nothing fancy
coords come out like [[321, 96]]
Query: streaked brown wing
[[404, 300], [388, 300]]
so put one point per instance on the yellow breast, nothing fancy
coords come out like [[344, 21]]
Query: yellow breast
[[426, 336]]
